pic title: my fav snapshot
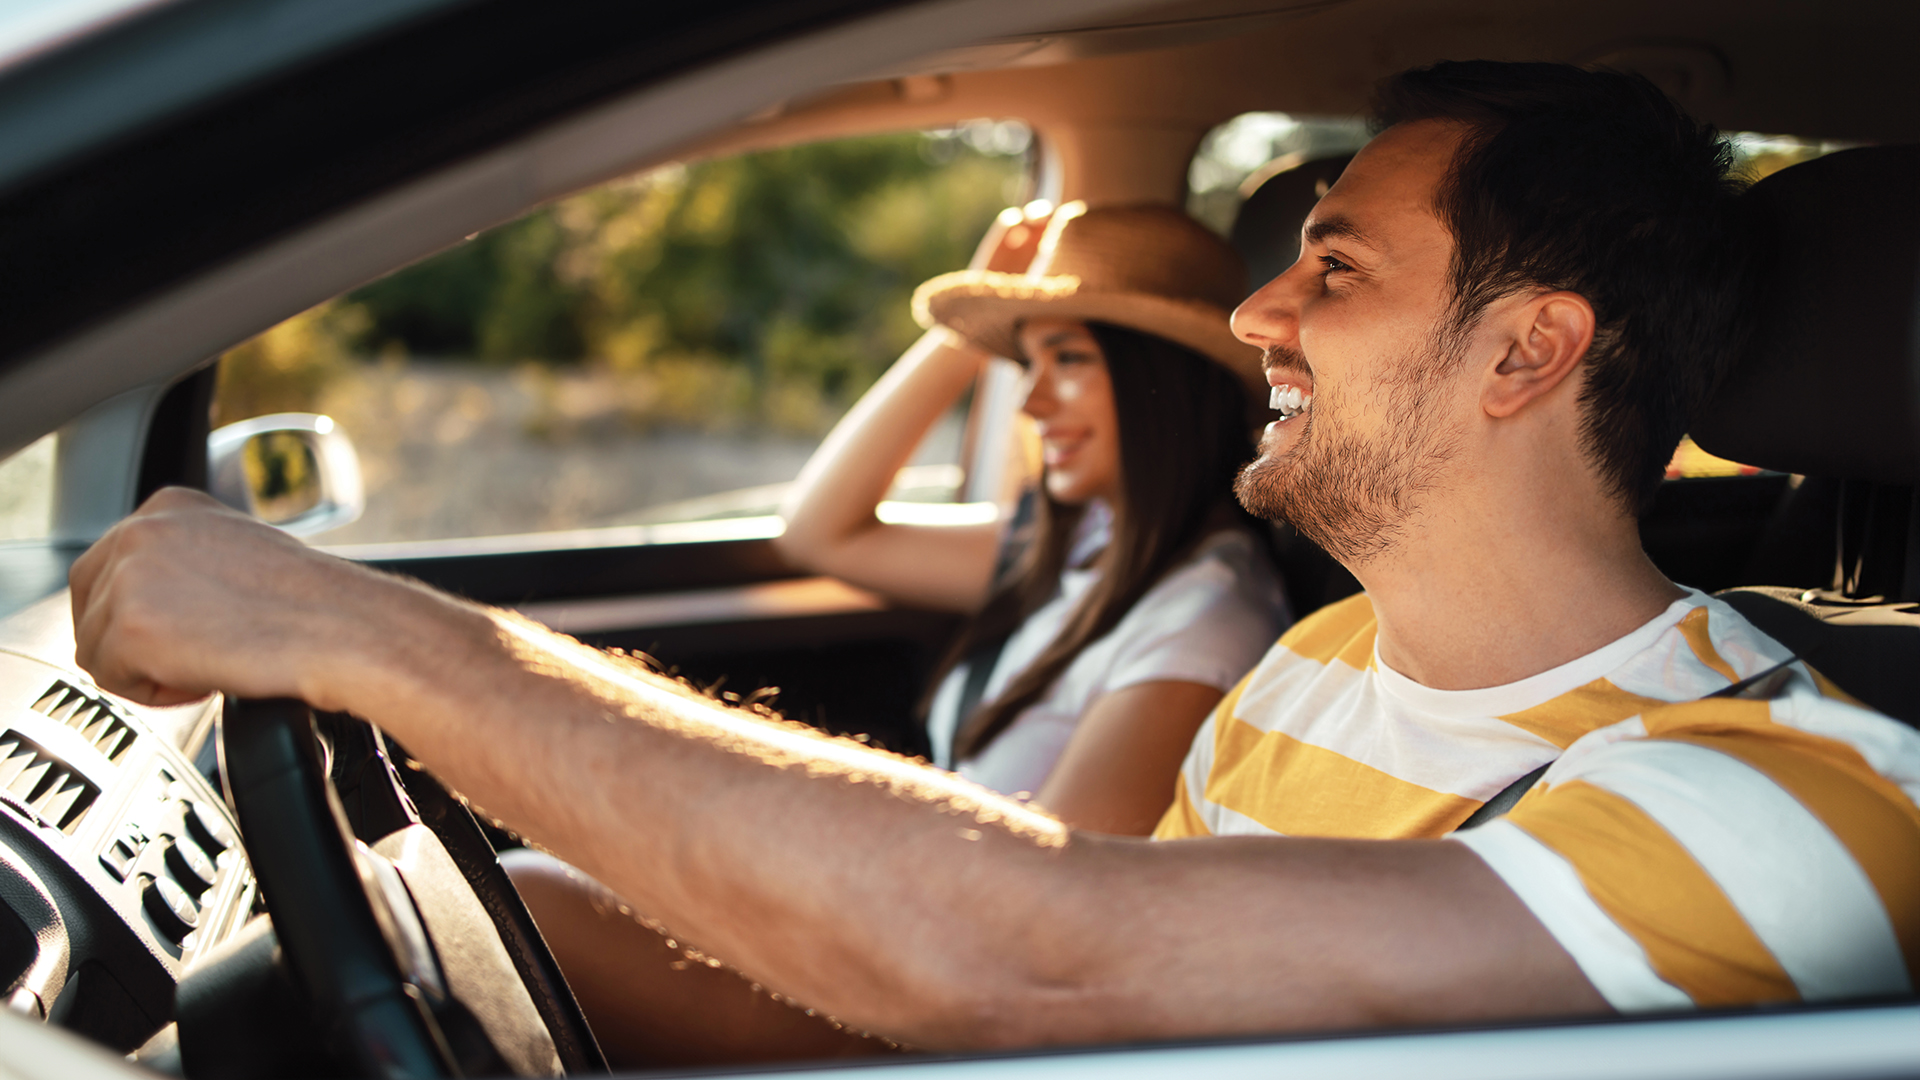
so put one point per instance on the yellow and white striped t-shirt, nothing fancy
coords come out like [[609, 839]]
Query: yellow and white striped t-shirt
[[1683, 851]]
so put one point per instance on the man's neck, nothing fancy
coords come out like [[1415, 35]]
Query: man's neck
[[1486, 598]]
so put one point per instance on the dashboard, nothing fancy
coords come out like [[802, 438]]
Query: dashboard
[[120, 862]]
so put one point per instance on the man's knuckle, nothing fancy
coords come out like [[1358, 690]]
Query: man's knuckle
[[169, 498], [137, 533], [139, 618]]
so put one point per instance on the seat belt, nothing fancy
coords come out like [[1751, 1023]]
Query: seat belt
[[979, 669], [1503, 802], [1762, 687], [981, 662]]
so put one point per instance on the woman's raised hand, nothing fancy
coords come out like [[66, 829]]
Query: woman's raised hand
[[832, 526], [1013, 238]]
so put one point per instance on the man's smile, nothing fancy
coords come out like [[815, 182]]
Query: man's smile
[[1291, 395], [1292, 383], [1289, 400]]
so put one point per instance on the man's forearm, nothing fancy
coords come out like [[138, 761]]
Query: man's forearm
[[849, 878], [899, 898], [911, 903]]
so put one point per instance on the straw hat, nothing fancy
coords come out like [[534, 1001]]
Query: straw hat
[[1148, 268]]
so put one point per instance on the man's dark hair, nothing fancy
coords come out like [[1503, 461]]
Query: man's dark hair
[[1593, 182]]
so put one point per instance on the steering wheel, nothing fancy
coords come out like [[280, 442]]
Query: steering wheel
[[353, 939]]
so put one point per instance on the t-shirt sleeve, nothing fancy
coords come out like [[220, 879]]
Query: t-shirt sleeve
[[1722, 859], [1204, 623]]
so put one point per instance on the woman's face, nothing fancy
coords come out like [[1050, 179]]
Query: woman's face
[[1070, 396]]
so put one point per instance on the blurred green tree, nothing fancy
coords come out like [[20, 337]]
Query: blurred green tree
[[790, 267]]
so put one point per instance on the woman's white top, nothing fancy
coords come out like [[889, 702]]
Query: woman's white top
[[1208, 620]]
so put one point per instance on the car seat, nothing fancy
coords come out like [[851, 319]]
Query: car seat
[[1828, 388], [1266, 232]]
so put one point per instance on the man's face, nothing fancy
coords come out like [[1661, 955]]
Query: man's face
[[1354, 327]]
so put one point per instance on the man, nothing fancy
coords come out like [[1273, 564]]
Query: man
[[1502, 316]]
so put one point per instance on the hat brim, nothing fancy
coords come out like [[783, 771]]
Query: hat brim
[[986, 308]]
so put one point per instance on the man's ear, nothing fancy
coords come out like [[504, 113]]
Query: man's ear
[[1552, 332]]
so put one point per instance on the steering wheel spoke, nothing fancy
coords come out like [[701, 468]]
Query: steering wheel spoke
[[300, 845], [395, 916]]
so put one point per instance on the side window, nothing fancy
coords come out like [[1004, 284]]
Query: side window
[[26, 492], [667, 347], [1238, 156]]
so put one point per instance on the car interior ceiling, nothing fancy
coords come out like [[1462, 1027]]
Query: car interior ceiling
[[1123, 121], [1119, 117]]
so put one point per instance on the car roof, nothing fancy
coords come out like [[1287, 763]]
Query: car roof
[[242, 187]]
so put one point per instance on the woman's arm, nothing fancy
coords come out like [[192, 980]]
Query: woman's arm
[[831, 525], [1116, 774]]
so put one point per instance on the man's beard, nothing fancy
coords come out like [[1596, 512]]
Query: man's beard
[[1352, 495]]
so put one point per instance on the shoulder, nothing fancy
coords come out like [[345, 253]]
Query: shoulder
[[1342, 630], [1225, 574], [1805, 730], [1786, 727], [1335, 641], [1755, 848], [1727, 850], [1207, 620]]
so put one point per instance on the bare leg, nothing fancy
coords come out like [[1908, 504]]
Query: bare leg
[[648, 1003]]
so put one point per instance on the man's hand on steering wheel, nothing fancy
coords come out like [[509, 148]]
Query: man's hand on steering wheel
[[185, 597]]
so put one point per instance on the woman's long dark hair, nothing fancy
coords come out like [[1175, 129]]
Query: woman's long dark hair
[[1183, 435]]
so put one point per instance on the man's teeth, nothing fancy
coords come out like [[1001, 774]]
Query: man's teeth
[[1289, 401]]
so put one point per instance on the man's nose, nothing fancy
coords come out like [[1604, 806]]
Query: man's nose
[[1271, 316]]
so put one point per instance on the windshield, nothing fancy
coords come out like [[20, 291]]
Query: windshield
[[29, 27]]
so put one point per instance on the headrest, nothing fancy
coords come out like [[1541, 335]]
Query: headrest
[[1267, 232], [1829, 384]]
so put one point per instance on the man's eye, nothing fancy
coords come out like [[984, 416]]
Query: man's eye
[[1074, 356], [1329, 264]]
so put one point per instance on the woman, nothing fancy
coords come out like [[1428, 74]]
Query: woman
[[1103, 635]]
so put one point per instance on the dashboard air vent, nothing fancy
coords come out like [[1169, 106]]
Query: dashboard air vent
[[93, 718], [43, 783]]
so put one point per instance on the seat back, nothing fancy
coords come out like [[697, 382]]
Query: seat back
[[1828, 387], [1867, 647], [1266, 232]]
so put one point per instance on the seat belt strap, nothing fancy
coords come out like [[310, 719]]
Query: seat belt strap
[[979, 669], [984, 658], [1503, 802], [1762, 687]]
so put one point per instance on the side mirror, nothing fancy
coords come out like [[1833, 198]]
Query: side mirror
[[296, 471]]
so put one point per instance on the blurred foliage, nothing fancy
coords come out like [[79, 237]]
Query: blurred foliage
[[768, 288], [287, 368]]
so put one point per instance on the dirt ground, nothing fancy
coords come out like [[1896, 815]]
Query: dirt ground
[[456, 449], [451, 449]]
